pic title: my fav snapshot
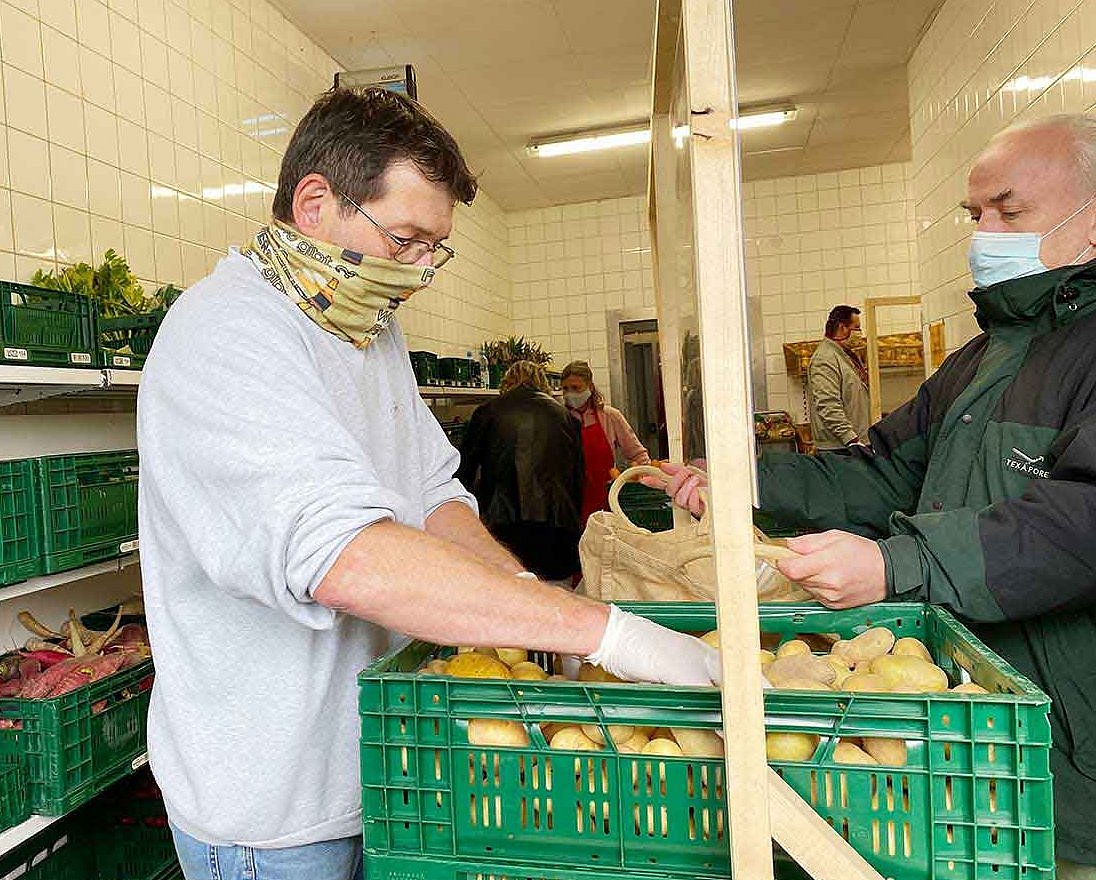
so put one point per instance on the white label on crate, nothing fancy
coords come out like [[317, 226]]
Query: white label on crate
[[79, 357], [15, 354], [127, 546], [120, 360], [140, 760]]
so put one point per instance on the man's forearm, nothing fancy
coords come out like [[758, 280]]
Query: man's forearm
[[455, 522], [413, 582]]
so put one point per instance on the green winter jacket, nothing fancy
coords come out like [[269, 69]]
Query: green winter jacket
[[982, 494]]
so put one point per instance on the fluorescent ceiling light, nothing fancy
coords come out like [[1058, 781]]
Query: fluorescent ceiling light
[[608, 139]]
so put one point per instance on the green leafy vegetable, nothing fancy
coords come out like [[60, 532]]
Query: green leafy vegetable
[[112, 284]]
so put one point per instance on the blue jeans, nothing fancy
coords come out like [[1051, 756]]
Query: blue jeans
[[329, 860]]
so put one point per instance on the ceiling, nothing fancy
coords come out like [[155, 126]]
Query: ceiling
[[499, 73]]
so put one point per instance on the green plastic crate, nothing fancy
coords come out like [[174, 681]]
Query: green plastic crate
[[77, 744], [974, 801], [50, 328], [62, 851], [425, 366], [124, 343], [89, 507], [20, 538], [455, 371], [14, 806], [132, 837], [646, 507]]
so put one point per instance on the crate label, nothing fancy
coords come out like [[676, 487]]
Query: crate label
[[15, 354], [139, 761], [120, 360], [127, 546], [79, 357]]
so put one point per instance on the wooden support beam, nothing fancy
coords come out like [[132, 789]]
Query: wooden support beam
[[871, 335]]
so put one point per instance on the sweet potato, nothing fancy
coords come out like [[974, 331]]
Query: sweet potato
[[91, 669], [40, 685]]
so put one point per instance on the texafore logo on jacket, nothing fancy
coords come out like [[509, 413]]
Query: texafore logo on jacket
[[1025, 464]]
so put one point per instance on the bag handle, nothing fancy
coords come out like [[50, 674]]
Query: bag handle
[[762, 549]]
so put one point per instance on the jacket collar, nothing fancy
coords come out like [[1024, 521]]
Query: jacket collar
[[1056, 297]]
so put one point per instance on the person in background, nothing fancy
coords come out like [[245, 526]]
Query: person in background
[[522, 458], [837, 385], [981, 493], [604, 431], [297, 506]]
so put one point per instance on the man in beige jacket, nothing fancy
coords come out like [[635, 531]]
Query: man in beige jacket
[[837, 385]]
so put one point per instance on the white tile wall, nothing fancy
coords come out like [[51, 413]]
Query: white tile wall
[[813, 242], [572, 264], [980, 67], [156, 127]]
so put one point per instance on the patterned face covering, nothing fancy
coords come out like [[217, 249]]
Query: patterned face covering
[[346, 293]]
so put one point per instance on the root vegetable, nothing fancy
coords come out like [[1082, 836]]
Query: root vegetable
[[510, 656], [871, 643], [793, 648], [798, 666], [909, 671], [891, 752], [662, 747], [435, 666], [911, 647], [767, 657], [698, 743], [589, 672], [473, 664], [41, 684], [574, 740], [865, 682], [29, 622], [103, 639], [780, 746], [711, 638], [497, 732], [969, 687], [799, 684], [618, 732], [528, 671], [850, 753]]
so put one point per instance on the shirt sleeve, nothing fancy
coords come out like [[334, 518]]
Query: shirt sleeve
[[244, 457], [634, 451], [440, 461]]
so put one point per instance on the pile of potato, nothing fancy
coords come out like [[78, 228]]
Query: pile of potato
[[860, 750], [490, 663], [872, 662], [628, 739]]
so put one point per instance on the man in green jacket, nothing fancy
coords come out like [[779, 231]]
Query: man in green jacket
[[981, 492]]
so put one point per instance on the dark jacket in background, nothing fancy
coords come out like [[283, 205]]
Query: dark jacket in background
[[522, 458]]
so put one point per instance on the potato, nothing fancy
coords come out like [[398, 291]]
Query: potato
[[767, 657], [865, 682], [969, 687], [635, 745], [557, 677], [871, 643], [510, 656], [840, 668], [799, 666], [793, 648], [473, 664], [467, 649], [528, 671], [781, 746], [573, 739], [905, 670], [698, 743], [591, 673], [891, 752], [497, 732], [435, 667], [551, 728], [911, 647], [662, 747], [619, 732], [838, 661], [850, 753], [711, 638], [799, 684]]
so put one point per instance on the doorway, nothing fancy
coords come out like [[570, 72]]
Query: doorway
[[642, 385]]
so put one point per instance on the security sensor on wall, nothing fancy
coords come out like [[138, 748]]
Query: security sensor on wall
[[396, 79]]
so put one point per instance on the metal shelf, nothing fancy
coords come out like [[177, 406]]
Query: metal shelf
[[24, 831], [444, 391], [26, 384], [48, 581]]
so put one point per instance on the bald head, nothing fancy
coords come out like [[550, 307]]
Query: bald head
[[1032, 177]]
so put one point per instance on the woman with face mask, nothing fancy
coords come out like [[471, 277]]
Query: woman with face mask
[[604, 431]]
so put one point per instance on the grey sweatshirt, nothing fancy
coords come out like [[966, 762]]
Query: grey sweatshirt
[[266, 445]]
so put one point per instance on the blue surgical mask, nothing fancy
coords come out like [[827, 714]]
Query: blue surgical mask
[[1001, 256]]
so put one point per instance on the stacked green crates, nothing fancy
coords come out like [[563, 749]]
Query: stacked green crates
[[20, 532], [88, 505], [125, 342], [77, 744], [973, 802], [48, 328]]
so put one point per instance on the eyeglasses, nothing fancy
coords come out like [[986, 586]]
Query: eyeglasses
[[408, 250]]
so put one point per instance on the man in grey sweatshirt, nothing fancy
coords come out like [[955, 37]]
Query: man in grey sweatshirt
[[298, 505]]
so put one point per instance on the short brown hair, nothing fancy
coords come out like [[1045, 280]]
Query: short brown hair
[[351, 136], [525, 373], [838, 317]]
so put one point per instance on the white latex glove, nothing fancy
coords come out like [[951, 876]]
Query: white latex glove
[[637, 649]]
